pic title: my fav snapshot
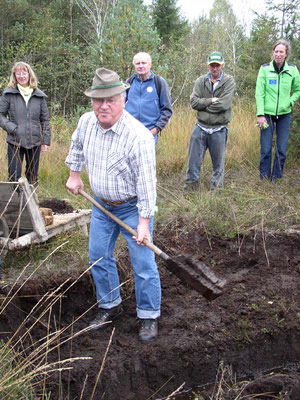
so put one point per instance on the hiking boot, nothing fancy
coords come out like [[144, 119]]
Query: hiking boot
[[148, 330], [104, 316], [190, 185]]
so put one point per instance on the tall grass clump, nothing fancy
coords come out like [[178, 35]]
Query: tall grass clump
[[26, 364], [244, 205], [242, 146], [53, 173], [14, 378], [173, 142]]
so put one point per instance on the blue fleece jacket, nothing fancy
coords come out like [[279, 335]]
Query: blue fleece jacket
[[145, 105]]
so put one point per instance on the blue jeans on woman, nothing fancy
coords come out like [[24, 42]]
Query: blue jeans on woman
[[216, 144], [103, 235], [15, 155], [282, 124]]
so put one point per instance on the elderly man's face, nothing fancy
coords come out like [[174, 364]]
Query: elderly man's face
[[142, 66], [215, 70], [108, 110]]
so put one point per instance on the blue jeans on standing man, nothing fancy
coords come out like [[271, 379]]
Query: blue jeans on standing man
[[103, 235], [283, 123], [216, 144]]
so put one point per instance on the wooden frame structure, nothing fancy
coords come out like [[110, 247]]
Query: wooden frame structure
[[20, 214]]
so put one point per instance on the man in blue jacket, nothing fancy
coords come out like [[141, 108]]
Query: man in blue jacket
[[148, 98]]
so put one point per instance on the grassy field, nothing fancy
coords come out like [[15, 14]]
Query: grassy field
[[244, 204]]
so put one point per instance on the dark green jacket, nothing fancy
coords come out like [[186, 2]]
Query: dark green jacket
[[276, 93], [213, 115], [26, 126]]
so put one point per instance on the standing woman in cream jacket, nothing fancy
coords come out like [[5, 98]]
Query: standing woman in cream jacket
[[24, 116]]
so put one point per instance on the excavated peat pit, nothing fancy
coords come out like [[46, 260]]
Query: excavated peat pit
[[253, 326]]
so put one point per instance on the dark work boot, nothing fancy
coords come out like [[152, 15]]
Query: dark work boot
[[104, 316], [148, 330], [190, 185]]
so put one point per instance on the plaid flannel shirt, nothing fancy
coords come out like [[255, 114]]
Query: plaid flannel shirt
[[120, 161]]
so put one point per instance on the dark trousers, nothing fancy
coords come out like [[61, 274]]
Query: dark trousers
[[15, 155]]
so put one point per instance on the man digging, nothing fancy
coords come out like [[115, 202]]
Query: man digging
[[119, 154]]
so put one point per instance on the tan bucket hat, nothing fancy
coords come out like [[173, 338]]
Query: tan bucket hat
[[106, 83]]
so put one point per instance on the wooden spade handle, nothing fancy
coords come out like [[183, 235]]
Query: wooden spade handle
[[146, 242]]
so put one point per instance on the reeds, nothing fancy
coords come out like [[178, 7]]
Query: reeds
[[24, 362]]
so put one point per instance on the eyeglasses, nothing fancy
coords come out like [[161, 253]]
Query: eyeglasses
[[23, 73], [109, 102]]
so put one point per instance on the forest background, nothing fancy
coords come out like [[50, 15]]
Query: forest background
[[66, 40]]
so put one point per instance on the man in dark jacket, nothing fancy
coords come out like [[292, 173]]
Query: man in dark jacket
[[212, 97], [148, 99]]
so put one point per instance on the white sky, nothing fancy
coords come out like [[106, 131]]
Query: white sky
[[192, 9]]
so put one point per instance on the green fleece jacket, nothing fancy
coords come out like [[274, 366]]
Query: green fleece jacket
[[276, 93], [213, 115]]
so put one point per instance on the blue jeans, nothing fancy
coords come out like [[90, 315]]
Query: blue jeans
[[283, 123], [103, 235], [216, 144], [15, 155]]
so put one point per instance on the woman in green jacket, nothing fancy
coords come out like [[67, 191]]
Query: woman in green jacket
[[25, 118], [277, 89]]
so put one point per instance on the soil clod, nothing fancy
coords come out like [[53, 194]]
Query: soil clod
[[57, 206]]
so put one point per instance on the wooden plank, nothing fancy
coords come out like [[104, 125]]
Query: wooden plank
[[21, 242], [33, 209], [80, 216], [62, 223], [65, 222]]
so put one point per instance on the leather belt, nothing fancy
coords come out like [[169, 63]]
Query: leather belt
[[117, 203]]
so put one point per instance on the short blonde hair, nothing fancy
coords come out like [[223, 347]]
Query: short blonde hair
[[22, 65]]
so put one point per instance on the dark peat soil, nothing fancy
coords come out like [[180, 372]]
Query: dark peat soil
[[253, 327]]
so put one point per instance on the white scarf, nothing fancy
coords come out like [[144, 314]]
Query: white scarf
[[25, 92]]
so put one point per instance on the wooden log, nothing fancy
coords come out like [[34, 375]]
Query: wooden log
[[45, 211], [47, 215]]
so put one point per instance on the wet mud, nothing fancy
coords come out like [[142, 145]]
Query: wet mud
[[253, 326]]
